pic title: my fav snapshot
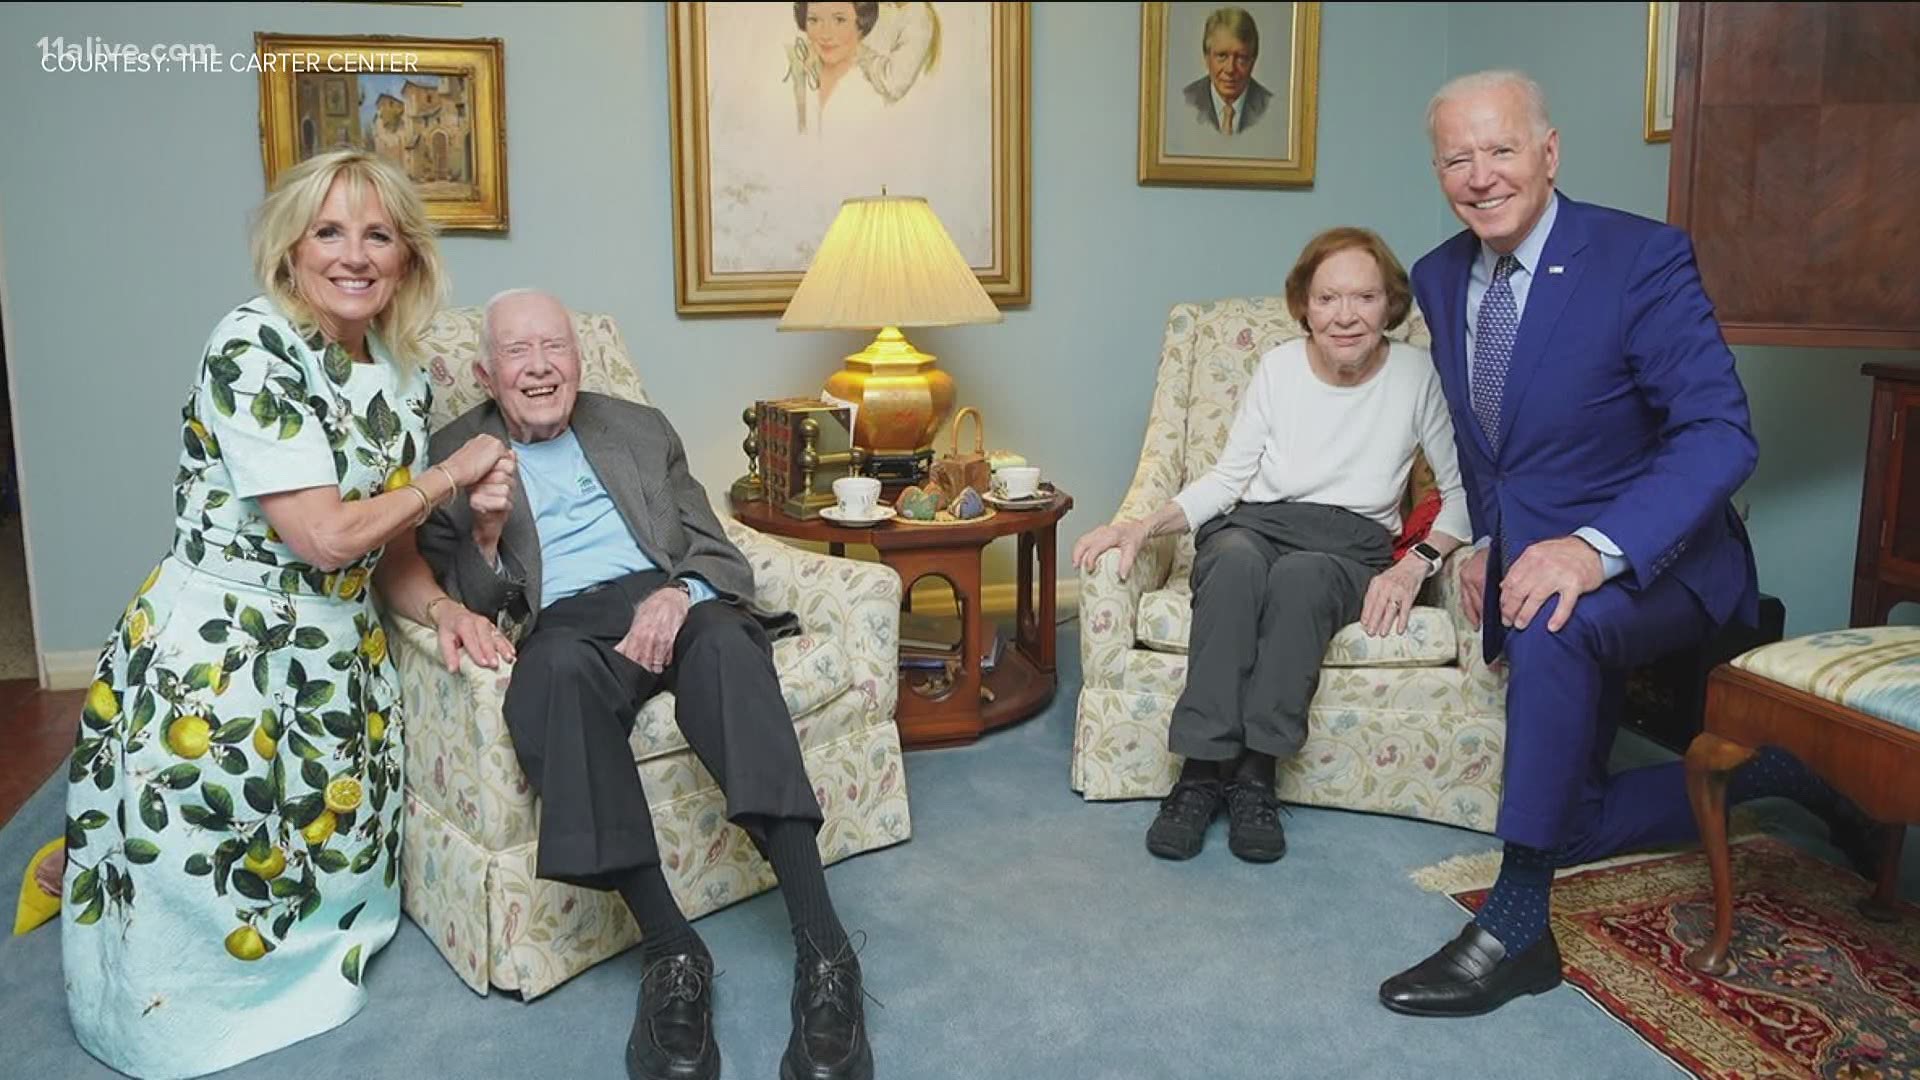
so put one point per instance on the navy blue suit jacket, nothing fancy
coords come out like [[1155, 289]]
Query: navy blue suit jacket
[[1622, 410]]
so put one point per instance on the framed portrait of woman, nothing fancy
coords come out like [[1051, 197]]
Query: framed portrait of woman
[[1228, 95], [780, 112]]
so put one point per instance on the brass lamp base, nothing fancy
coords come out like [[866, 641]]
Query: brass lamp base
[[903, 399]]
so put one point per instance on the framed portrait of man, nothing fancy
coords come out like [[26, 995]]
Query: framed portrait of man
[[781, 112], [1228, 94]]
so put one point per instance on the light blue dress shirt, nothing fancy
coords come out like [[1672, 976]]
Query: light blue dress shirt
[[1479, 279], [583, 539]]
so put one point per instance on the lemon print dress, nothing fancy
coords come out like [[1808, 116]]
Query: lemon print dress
[[233, 815]]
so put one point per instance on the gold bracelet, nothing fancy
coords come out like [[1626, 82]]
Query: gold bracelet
[[453, 486], [441, 599], [426, 504]]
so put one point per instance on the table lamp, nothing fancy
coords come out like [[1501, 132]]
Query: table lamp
[[887, 262]]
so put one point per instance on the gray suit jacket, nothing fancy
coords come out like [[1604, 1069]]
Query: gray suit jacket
[[1253, 104], [642, 465]]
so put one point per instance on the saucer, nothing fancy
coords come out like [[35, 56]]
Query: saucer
[[880, 514], [1040, 498]]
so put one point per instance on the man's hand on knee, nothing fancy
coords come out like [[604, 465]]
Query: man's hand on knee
[[1568, 568], [656, 623]]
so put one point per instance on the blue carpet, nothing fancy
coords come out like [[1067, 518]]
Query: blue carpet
[[1021, 933]]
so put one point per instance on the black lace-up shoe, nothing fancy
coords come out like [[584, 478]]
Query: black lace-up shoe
[[673, 1028], [1180, 829], [829, 1040], [1253, 822]]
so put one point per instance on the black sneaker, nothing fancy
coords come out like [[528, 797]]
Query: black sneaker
[[673, 1027], [1180, 829], [829, 1040], [1253, 822]]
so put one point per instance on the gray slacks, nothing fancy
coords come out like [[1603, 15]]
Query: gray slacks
[[572, 704], [1272, 584]]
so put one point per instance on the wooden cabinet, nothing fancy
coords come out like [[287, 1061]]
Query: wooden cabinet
[[1796, 159], [1886, 567]]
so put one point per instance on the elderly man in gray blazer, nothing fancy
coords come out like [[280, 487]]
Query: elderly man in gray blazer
[[592, 533]]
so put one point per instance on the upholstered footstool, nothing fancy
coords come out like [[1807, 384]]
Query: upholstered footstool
[[1847, 703]]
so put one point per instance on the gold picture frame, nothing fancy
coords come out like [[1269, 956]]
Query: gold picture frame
[[934, 101], [1660, 70], [437, 108], [1183, 139]]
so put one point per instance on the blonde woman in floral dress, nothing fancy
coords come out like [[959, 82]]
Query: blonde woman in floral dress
[[234, 814]]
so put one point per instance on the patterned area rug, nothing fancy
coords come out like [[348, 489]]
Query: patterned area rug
[[1819, 990]]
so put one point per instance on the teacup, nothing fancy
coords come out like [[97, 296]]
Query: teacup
[[1017, 482], [857, 496]]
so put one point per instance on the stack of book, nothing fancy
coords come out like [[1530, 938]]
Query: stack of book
[[924, 643]]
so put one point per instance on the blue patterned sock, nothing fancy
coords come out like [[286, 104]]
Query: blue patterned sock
[[1516, 909], [1773, 772]]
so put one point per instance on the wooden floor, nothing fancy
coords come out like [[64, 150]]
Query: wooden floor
[[36, 734]]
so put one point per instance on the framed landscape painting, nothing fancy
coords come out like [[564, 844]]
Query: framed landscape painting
[[435, 108]]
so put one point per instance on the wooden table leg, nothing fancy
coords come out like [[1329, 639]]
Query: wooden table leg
[[1709, 761], [1884, 904]]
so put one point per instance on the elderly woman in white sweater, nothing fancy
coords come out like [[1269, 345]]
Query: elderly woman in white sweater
[[1317, 460]]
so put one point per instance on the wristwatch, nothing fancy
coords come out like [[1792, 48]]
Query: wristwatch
[[681, 584], [1429, 555]]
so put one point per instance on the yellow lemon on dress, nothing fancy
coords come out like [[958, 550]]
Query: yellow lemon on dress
[[245, 943], [102, 704], [148, 584], [189, 736], [343, 794], [268, 868], [376, 728], [374, 646], [320, 829], [137, 627], [352, 583], [398, 479], [264, 744]]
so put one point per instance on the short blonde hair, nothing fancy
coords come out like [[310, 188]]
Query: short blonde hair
[[284, 217], [1349, 238]]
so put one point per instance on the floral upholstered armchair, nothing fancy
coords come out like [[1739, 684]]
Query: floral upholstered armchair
[[1410, 724], [471, 820]]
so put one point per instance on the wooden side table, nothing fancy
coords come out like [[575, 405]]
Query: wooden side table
[[938, 709]]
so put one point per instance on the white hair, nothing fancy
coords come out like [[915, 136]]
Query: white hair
[[1481, 82], [486, 320]]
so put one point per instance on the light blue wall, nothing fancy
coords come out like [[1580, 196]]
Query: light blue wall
[[122, 228], [1809, 405], [123, 201]]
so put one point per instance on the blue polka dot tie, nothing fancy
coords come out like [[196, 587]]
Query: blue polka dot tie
[[1493, 348]]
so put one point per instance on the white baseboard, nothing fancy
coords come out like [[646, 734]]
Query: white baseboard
[[71, 670]]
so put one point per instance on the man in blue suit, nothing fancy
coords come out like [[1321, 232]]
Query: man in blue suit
[[1602, 433]]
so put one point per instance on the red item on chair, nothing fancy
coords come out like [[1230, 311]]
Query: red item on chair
[[1418, 523]]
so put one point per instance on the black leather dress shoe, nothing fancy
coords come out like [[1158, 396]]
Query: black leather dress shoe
[[829, 1040], [673, 1027], [1471, 975]]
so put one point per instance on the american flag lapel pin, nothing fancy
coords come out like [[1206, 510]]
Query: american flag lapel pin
[[1556, 269]]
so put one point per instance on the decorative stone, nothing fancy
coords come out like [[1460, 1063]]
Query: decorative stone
[[968, 504]]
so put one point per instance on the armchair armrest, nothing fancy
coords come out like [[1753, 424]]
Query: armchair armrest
[[856, 603], [1485, 686], [460, 758]]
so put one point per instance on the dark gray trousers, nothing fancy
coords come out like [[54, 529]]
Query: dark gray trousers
[[1272, 584], [571, 706]]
